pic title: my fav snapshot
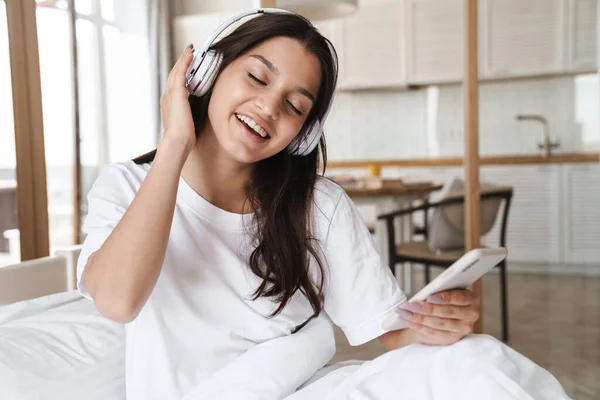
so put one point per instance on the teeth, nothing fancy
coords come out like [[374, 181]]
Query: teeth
[[252, 124]]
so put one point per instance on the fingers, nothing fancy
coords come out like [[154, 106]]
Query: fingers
[[431, 336], [460, 297], [459, 326], [177, 74], [423, 309]]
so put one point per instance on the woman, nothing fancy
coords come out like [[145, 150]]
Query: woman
[[225, 241]]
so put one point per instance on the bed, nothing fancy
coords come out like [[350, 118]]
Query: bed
[[53, 343], [58, 346]]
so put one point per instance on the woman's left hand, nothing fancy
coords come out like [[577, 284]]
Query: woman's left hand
[[444, 319]]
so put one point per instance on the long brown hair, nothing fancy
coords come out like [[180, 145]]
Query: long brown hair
[[281, 188]]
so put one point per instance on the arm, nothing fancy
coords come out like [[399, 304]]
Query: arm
[[273, 369], [122, 273]]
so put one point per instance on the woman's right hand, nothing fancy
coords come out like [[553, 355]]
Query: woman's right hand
[[175, 111]]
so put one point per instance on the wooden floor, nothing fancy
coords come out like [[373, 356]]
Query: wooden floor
[[554, 321]]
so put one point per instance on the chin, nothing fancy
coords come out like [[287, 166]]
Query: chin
[[240, 153]]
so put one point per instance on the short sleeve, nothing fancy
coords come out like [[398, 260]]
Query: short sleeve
[[361, 291], [107, 202]]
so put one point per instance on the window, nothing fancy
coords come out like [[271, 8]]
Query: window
[[9, 243], [116, 114]]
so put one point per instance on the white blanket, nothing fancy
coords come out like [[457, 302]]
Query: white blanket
[[477, 367], [60, 347]]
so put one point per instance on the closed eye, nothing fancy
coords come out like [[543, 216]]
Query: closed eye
[[255, 79], [294, 108]]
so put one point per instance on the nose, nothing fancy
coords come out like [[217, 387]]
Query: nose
[[269, 104]]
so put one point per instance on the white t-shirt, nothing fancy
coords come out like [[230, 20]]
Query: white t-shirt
[[200, 315]]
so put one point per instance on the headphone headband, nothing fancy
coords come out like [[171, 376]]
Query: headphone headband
[[204, 67], [221, 28]]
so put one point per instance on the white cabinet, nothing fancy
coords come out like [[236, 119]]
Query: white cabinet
[[517, 38], [534, 223], [581, 213], [434, 41], [333, 29], [370, 46], [582, 25], [523, 38], [374, 47]]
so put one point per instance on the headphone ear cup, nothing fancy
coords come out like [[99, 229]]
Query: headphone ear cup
[[302, 147], [211, 62]]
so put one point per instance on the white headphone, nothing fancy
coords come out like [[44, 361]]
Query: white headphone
[[202, 72]]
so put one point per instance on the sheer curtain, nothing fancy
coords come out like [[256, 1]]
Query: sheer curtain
[[161, 53]]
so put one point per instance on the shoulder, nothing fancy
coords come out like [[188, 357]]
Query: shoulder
[[327, 197], [119, 180], [332, 209], [123, 172]]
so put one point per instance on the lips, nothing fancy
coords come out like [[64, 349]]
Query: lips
[[253, 125], [251, 134]]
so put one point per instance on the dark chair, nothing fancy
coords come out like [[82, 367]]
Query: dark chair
[[419, 252]]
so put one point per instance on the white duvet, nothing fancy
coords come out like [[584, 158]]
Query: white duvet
[[60, 347]]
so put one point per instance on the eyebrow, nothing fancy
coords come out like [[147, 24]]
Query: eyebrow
[[274, 70]]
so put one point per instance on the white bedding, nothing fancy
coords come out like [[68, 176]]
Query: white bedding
[[60, 347]]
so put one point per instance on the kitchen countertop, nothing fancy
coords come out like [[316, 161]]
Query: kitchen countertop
[[525, 159]]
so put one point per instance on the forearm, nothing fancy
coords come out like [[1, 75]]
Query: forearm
[[273, 369], [122, 273], [397, 339]]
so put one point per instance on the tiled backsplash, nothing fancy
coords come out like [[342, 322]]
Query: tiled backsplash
[[386, 124]]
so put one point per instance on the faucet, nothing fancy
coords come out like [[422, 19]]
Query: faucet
[[546, 146]]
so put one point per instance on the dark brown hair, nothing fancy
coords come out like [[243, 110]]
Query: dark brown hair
[[281, 187]]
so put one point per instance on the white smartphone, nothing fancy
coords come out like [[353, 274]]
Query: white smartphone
[[464, 272]]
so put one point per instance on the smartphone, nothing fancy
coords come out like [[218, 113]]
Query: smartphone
[[464, 272]]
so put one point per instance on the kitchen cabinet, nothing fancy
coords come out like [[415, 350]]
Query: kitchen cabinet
[[434, 41], [581, 216], [373, 47], [523, 38], [534, 229], [333, 29], [581, 35]]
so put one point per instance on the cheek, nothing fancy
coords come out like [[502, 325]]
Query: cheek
[[223, 97], [290, 130]]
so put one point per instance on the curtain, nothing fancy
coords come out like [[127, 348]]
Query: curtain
[[161, 54]]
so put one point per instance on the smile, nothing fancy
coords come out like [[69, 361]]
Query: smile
[[253, 125]]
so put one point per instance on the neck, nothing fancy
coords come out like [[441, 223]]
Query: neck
[[216, 177]]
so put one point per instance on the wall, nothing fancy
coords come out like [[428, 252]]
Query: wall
[[429, 122]]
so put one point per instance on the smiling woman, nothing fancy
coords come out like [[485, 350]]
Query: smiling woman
[[228, 256]]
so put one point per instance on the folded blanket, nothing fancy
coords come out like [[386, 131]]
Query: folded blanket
[[273, 369]]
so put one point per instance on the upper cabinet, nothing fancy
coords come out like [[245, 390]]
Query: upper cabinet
[[333, 29], [374, 47], [434, 41], [522, 38], [398, 43], [582, 25], [370, 46]]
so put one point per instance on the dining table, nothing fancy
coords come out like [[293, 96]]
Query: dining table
[[388, 195]]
